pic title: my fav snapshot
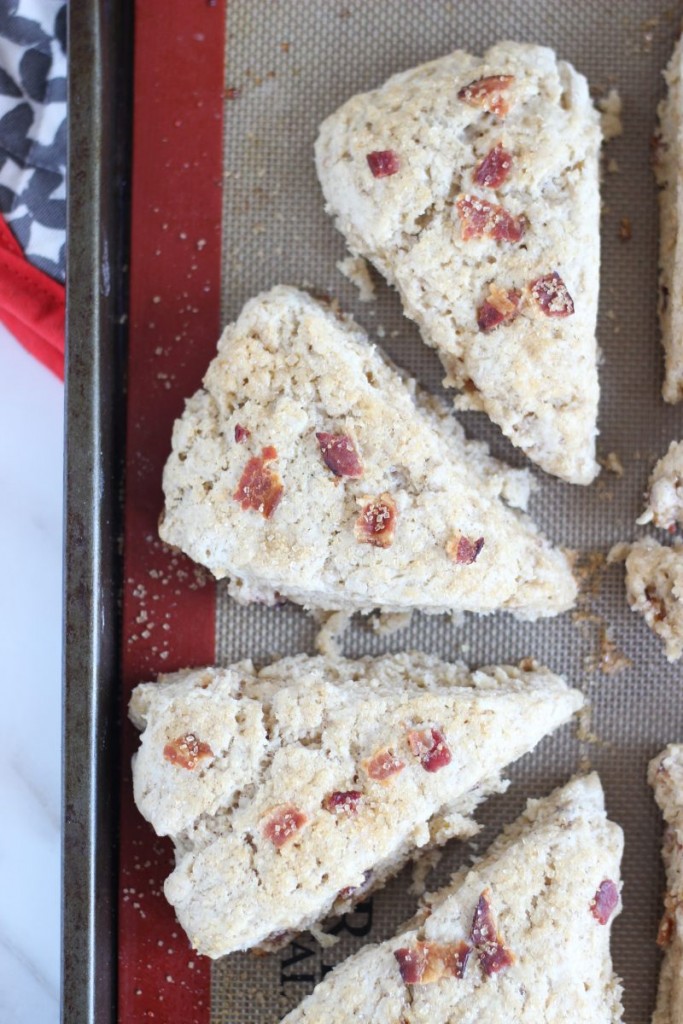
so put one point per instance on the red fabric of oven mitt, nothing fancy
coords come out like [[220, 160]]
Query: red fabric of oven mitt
[[31, 304]]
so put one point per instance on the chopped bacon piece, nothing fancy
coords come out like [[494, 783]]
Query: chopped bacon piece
[[481, 218], [500, 307], [186, 751], [376, 524], [430, 746], [260, 487], [345, 894], [283, 823], [464, 551], [458, 955], [493, 954], [241, 433], [383, 163], [411, 964], [488, 93], [494, 168], [355, 892], [605, 901], [552, 296], [494, 957], [483, 924], [383, 765], [340, 455], [343, 802], [656, 603], [428, 962], [666, 930]]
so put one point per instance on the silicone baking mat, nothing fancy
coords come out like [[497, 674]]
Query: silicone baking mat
[[288, 64]]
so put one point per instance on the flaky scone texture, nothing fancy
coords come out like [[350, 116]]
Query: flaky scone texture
[[535, 373], [294, 790], [665, 490], [291, 373], [551, 882], [665, 775], [654, 587], [668, 166]]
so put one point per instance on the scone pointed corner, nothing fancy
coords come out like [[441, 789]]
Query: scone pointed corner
[[523, 936], [309, 469], [293, 792], [483, 212]]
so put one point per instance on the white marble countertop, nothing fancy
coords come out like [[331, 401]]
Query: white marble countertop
[[31, 462]]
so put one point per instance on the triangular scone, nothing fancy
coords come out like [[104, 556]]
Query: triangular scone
[[299, 788], [665, 490], [520, 938], [668, 165], [654, 587], [310, 469], [665, 775], [472, 185]]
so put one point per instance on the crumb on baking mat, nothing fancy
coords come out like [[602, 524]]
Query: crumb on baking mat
[[610, 107], [356, 270]]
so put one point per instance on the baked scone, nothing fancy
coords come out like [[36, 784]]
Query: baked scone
[[668, 164], [308, 468], [296, 789], [654, 587], [472, 185], [665, 490], [520, 938], [665, 775]]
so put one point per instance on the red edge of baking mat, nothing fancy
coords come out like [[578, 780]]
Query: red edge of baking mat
[[169, 605]]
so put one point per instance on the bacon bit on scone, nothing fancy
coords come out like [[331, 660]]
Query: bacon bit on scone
[[260, 488], [355, 893], [463, 550], [241, 433], [551, 294], [347, 893], [481, 218], [340, 455], [341, 802], [489, 93], [605, 901], [428, 962], [493, 954], [383, 765], [429, 745], [456, 959], [376, 524], [283, 823], [383, 163], [656, 603], [501, 306], [494, 168], [186, 751], [412, 963], [667, 926]]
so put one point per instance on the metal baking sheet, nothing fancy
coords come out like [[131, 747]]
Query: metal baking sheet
[[287, 65], [99, 122]]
